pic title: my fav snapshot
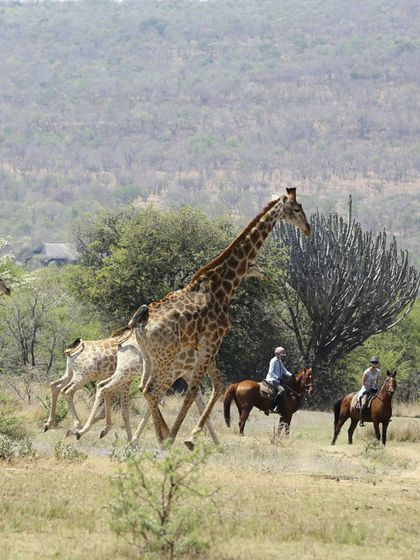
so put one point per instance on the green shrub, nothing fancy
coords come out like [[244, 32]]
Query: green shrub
[[68, 452], [118, 453], [159, 504], [10, 448], [10, 424], [6, 447], [61, 408]]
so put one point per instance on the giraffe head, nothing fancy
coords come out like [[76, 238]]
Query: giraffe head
[[293, 212]]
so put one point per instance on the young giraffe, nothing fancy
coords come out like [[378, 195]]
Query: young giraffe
[[196, 317], [130, 365], [3, 288], [88, 360]]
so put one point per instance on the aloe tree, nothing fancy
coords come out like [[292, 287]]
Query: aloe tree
[[351, 283]]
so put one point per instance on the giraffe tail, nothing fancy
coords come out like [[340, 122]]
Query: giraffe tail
[[229, 395]]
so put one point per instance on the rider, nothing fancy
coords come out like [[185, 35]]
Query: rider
[[276, 376], [370, 382]]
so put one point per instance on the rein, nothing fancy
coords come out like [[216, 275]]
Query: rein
[[301, 393], [380, 390]]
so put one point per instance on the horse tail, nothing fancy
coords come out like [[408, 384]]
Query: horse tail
[[229, 395], [337, 407]]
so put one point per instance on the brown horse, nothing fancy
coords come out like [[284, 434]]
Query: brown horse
[[379, 412], [246, 395]]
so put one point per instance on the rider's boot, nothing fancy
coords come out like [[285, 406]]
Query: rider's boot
[[362, 417], [277, 403]]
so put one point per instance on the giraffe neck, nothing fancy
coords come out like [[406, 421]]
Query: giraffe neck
[[230, 267]]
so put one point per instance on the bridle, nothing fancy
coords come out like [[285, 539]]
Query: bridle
[[388, 391], [306, 386]]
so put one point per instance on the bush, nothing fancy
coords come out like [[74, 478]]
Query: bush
[[159, 505], [68, 452], [9, 448], [6, 447], [10, 424]]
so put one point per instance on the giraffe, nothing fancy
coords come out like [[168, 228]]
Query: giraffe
[[3, 288], [196, 316], [130, 365], [88, 360]]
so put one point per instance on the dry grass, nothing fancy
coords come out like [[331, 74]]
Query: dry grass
[[407, 410], [278, 498]]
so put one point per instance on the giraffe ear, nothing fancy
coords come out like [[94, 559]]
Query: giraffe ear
[[291, 193]]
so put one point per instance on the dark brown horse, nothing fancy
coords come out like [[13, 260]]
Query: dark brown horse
[[246, 395], [379, 412]]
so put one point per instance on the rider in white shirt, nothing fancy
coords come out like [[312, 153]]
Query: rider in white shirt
[[370, 386]]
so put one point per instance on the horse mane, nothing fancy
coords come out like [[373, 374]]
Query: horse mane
[[239, 238]]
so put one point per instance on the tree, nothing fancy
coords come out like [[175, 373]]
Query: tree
[[35, 327], [352, 285], [137, 256]]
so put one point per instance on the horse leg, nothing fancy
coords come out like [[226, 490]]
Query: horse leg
[[284, 425], [384, 430], [338, 427], [377, 430], [243, 418], [350, 431]]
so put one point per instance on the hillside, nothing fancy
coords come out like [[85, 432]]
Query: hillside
[[215, 104]]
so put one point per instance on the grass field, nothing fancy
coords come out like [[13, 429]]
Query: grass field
[[278, 499]]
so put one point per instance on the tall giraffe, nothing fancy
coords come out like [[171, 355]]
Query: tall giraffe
[[3, 288], [130, 365], [196, 316]]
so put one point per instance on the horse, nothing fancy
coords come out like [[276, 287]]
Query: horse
[[247, 394], [379, 412]]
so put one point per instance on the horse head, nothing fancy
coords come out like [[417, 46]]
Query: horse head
[[390, 381], [305, 379]]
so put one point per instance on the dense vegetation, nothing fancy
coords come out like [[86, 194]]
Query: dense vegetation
[[132, 256], [211, 103]]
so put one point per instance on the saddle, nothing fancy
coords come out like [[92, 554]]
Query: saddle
[[267, 391], [355, 402]]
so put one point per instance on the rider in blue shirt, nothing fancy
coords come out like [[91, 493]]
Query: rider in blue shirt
[[276, 376]]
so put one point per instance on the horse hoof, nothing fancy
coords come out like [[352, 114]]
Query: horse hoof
[[190, 444]]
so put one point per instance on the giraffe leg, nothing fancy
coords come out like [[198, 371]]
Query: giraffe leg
[[56, 387], [93, 413], [117, 384], [200, 406], [188, 400], [217, 391], [68, 393], [152, 397], [142, 426], [125, 409]]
